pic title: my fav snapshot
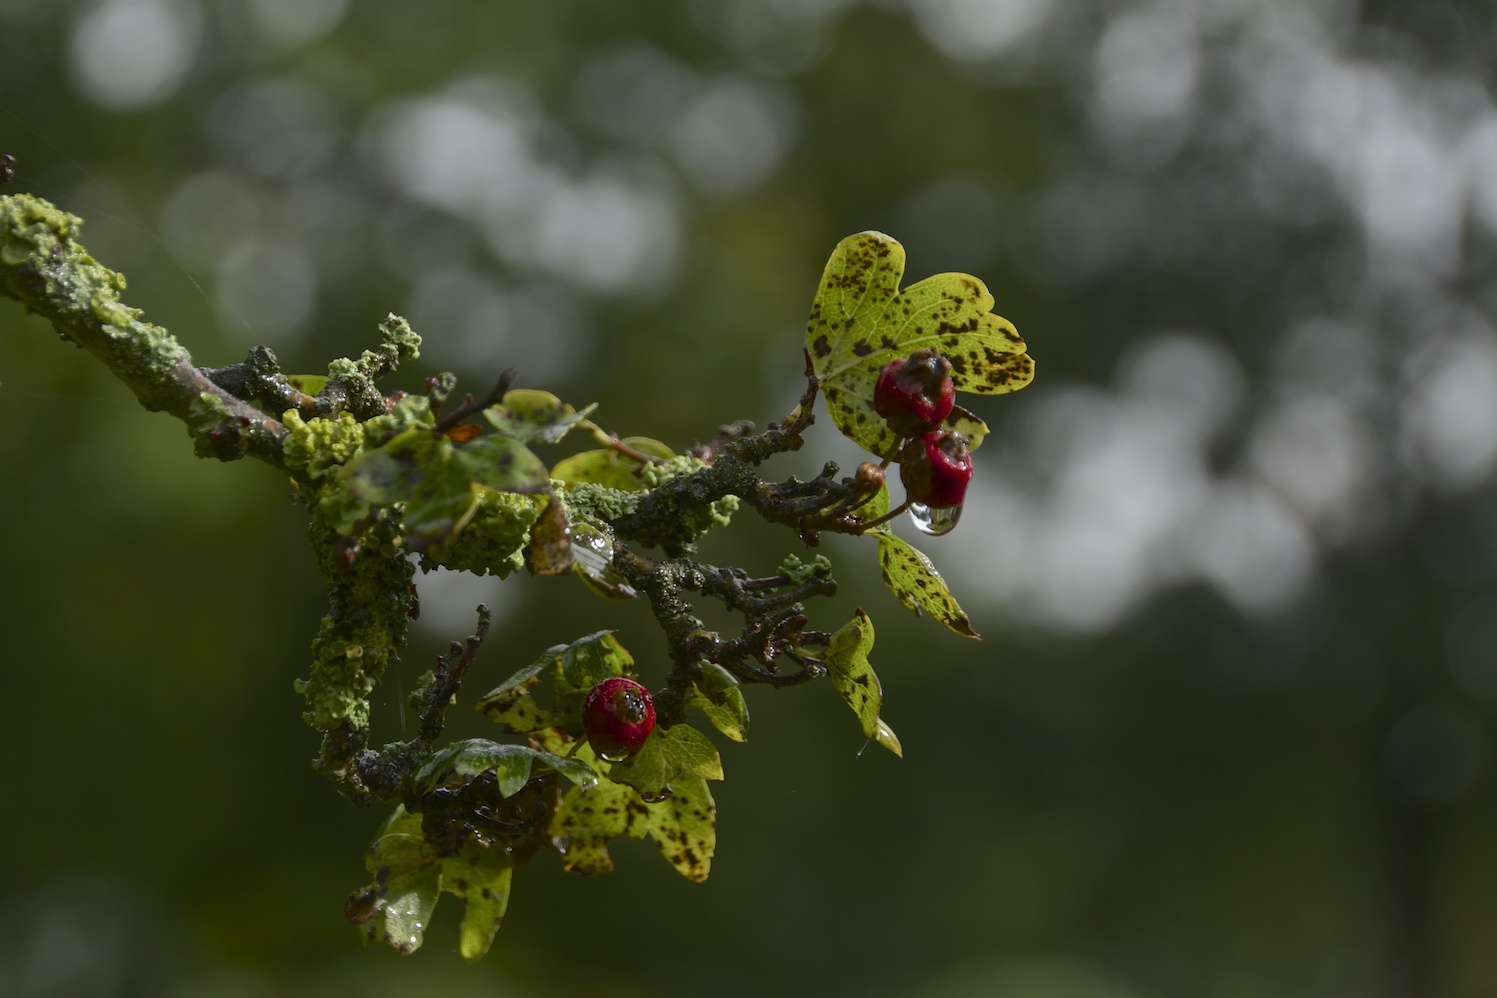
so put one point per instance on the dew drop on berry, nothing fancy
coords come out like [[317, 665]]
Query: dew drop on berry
[[613, 756], [934, 521]]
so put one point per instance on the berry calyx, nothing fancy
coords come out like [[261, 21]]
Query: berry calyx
[[914, 394], [618, 716], [936, 468]]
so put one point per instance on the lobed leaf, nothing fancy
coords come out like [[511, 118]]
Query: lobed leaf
[[480, 877], [912, 578], [668, 755], [582, 665], [685, 828], [512, 702], [588, 819], [860, 321]]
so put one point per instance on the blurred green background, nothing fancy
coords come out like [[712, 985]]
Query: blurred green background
[[1233, 554]]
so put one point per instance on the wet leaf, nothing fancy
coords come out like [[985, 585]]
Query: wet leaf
[[592, 547], [512, 702], [719, 697], [587, 820], [582, 665], [480, 876], [860, 321], [847, 660], [912, 577], [534, 416], [669, 754], [510, 763], [684, 826], [407, 883], [503, 465], [885, 736]]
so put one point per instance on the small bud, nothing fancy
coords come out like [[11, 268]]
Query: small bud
[[869, 478]]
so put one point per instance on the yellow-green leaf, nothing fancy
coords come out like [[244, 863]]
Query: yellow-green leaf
[[481, 877], [860, 321], [685, 828], [668, 755], [847, 660], [587, 820], [912, 577]]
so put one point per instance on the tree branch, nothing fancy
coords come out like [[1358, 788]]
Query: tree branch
[[43, 267]]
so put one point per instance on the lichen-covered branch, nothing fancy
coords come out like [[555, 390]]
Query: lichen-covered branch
[[43, 267]]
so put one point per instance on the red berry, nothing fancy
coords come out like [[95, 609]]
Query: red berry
[[915, 394], [618, 715], [936, 468]]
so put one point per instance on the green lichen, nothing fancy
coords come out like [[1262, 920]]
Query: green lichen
[[493, 542], [315, 450], [370, 598], [589, 501], [44, 268]]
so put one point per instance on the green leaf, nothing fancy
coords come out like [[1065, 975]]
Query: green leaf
[[481, 877], [587, 820], [393, 473], [860, 321], [847, 660], [512, 702], [584, 664], [610, 468], [966, 422], [669, 754], [885, 736], [503, 465], [410, 898], [511, 763], [685, 828], [718, 696], [408, 881], [420, 470], [912, 577], [533, 416], [310, 384]]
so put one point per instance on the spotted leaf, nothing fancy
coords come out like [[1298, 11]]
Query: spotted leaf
[[911, 576], [860, 321]]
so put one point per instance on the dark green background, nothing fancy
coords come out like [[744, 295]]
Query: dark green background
[[1157, 785]]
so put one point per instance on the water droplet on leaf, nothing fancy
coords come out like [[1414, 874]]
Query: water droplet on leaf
[[934, 521]]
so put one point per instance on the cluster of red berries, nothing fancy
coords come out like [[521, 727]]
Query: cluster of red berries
[[915, 394], [618, 716]]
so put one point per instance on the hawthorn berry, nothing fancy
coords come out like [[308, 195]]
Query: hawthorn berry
[[618, 715], [915, 393], [936, 468]]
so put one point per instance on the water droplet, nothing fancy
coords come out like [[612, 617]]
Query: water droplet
[[613, 757], [934, 521]]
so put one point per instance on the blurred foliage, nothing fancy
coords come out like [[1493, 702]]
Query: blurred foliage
[[1229, 728]]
